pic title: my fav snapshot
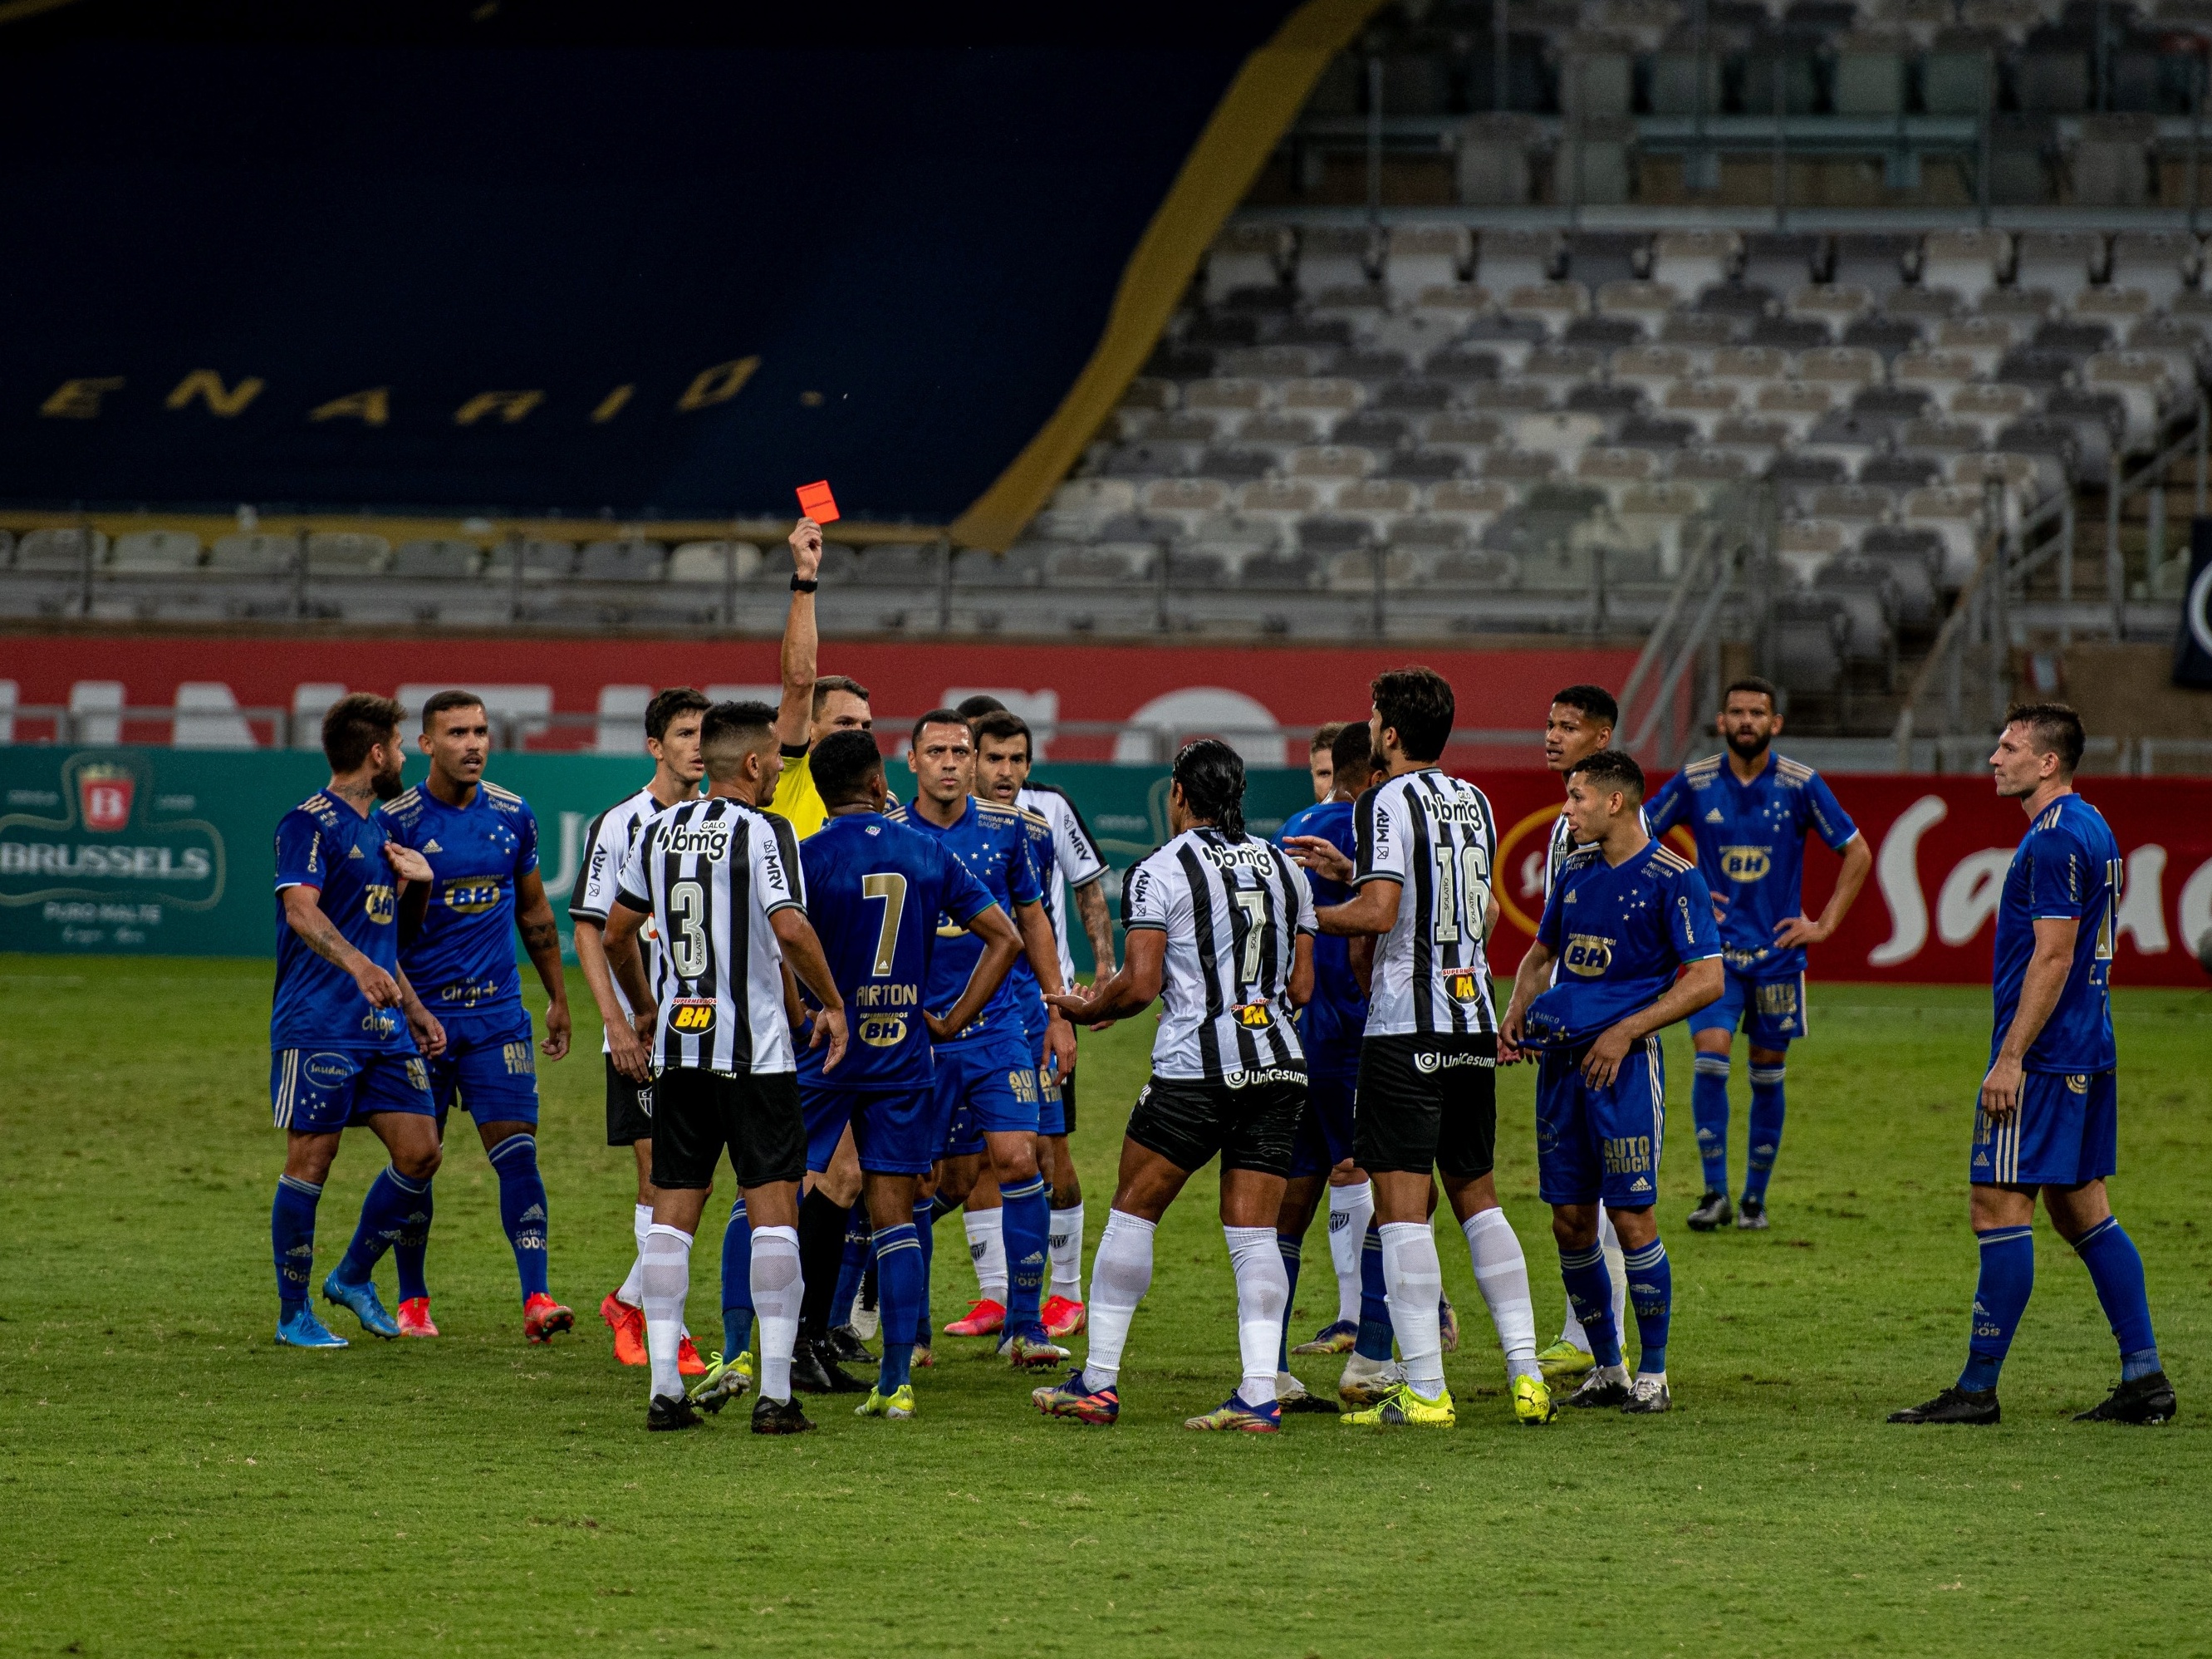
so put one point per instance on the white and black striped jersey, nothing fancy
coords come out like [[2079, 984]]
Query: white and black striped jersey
[[712, 872], [1232, 906], [606, 845], [1564, 842], [1075, 860], [1433, 834]]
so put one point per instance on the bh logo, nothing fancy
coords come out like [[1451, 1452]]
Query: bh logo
[[692, 1014], [1589, 954], [1746, 863]]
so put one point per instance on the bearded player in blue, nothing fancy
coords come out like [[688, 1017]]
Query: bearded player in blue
[[1750, 811], [986, 1099], [1628, 934], [876, 891], [2049, 1111], [481, 842], [347, 1034]]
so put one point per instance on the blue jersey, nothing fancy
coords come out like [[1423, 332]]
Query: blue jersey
[[463, 955], [1751, 848], [994, 842], [2067, 867], [324, 844], [1619, 933], [1043, 858], [874, 892], [1337, 1015]]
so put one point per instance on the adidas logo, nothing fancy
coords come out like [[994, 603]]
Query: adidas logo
[[1572, 896], [1713, 815], [353, 852], [535, 1213], [431, 846], [307, 1250], [1034, 1259], [1641, 1185]]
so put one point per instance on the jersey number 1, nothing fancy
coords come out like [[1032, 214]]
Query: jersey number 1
[[1470, 866]]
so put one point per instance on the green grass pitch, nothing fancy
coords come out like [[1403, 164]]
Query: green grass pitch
[[172, 1483]]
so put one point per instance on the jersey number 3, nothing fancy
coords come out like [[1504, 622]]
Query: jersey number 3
[[687, 932]]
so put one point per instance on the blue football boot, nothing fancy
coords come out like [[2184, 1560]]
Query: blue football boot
[[368, 1307], [300, 1328]]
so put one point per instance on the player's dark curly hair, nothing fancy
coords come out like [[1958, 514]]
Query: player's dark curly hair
[[664, 708], [841, 765], [1211, 775], [1594, 701], [2053, 729], [1350, 752], [1612, 768], [356, 724], [1417, 703]]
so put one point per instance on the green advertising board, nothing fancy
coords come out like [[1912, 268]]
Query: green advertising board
[[170, 852]]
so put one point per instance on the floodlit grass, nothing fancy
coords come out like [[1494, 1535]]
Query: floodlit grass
[[172, 1483]]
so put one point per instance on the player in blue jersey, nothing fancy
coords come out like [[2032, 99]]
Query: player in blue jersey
[[1330, 1028], [1629, 928], [2048, 1117], [1750, 812], [347, 1034], [876, 892], [986, 1099], [481, 843]]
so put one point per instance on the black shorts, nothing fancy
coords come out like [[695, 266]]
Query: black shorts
[[756, 1115], [630, 1108], [1427, 1101], [1187, 1121], [1068, 1105]]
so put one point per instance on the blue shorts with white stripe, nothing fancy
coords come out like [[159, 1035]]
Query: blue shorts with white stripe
[[2065, 1132], [1600, 1144], [322, 1090]]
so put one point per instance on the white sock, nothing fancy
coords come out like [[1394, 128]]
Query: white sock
[[633, 1288], [1415, 1279], [665, 1280], [1349, 1210], [777, 1288], [1263, 1294], [1609, 1242], [1067, 1252], [987, 1248], [1501, 1272], [1121, 1274]]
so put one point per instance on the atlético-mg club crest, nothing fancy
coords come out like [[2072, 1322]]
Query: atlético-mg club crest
[[103, 797]]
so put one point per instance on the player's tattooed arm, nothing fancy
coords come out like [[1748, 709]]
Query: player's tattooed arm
[[533, 919], [303, 914], [1097, 926]]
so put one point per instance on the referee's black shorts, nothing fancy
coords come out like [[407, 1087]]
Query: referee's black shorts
[[696, 1113], [1188, 1121], [630, 1108], [1427, 1101]]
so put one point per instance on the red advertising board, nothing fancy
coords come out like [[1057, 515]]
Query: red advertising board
[[1941, 846]]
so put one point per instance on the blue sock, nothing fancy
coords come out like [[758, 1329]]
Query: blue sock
[[898, 1295], [1765, 1130], [851, 1266], [2000, 1297], [292, 1238], [1375, 1334], [2116, 1269], [385, 1210], [1029, 1244], [737, 1283], [1589, 1288], [925, 1224], [1651, 1294], [522, 1209], [411, 1247], [1290, 1247], [1709, 1108]]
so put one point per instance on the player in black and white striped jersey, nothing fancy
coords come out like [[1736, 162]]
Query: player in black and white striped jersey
[[1220, 928], [671, 738], [1427, 1096], [1580, 722], [720, 879]]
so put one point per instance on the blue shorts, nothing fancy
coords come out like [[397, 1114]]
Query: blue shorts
[[988, 1086], [1324, 1139], [1052, 1114], [1600, 1144], [1771, 1011], [322, 1090], [489, 1066], [2066, 1131], [893, 1129]]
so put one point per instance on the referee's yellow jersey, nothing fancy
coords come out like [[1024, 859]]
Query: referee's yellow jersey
[[797, 800]]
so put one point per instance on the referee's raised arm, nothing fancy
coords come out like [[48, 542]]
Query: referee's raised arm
[[794, 714]]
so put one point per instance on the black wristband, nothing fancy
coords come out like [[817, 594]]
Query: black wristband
[[801, 585]]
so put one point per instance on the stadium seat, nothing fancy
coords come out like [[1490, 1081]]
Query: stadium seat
[[1355, 572], [1654, 515], [1105, 565], [1867, 597], [1553, 305], [623, 561], [1809, 631], [253, 553], [540, 560], [436, 558], [2159, 262], [1509, 259], [1834, 306], [1472, 505], [57, 551], [1185, 503], [1876, 260], [2141, 383], [1335, 256], [346, 553], [1797, 405], [1378, 503], [721, 562], [1784, 261], [1283, 569], [1967, 263], [1690, 261], [1278, 504], [1915, 560], [1558, 369], [207, 717], [1245, 257], [1420, 258], [152, 552]]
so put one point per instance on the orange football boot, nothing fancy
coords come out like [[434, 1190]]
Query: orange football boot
[[415, 1318], [983, 1318], [542, 1318]]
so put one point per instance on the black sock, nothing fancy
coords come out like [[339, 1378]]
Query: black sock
[[821, 1247]]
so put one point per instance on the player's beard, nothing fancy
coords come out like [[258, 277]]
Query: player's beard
[[1747, 747], [386, 785]]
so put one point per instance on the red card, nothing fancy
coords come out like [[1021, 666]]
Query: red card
[[816, 502]]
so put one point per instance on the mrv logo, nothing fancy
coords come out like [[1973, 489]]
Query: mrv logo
[[103, 835]]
